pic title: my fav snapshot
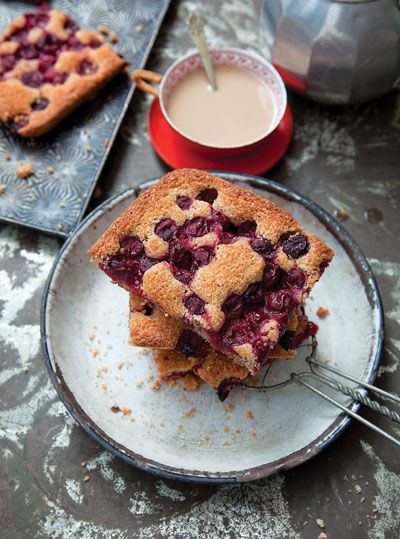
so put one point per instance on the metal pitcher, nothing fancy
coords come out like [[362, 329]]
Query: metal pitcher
[[334, 51]]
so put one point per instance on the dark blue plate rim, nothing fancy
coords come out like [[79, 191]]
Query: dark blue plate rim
[[299, 457]]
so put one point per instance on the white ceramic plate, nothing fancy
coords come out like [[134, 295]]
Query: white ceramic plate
[[192, 435]]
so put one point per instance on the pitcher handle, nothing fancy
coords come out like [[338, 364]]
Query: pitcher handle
[[143, 77]]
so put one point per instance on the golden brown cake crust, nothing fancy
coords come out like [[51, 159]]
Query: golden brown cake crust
[[16, 98]]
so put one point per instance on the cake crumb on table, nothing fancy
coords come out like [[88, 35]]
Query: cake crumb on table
[[24, 170], [83, 464], [157, 384], [189, 413], [106, 142], [7, 156], [322, 535], [229, 408], [126, 411], [2, 189], [250, 414], [50, 170], [357, 489], [320, 522], [190, 383], [103, 29], [115, 408], [322, 312], [113, 37], [86, 478]]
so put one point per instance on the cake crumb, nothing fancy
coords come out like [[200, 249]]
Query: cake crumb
[[250, 414], [126, 411], [238, 431], [7, 156], [86, 478], [139, 384], [89, 149], [254, 434], [24, 170], [139, 28], [320, 522], [157, 384], [25, 370], [322, 535], [106, 142], [120, 365], [229, 407], [113, 37], [226, 429], [2, 189], [322, 312], [95, 352], [357, 488], [103, 29], [83, 464], [189, 413], [115, 408], [190, 383], [50, 170], [180, 428], [206, 438]]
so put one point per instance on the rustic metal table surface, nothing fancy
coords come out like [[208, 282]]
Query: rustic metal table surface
[[347, 159]]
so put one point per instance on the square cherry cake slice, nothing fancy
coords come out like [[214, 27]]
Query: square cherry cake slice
[[193, 355], [230, 264], [49, 66]]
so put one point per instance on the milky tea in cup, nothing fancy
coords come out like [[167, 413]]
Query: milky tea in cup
[[241, 111]]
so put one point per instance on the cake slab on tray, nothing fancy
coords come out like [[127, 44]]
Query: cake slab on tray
[[108, 385]]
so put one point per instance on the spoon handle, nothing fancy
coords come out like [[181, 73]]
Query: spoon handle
[[196, 31]]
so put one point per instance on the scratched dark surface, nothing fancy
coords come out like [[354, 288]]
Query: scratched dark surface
[[344, 158]]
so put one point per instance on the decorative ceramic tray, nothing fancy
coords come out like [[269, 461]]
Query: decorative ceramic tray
[[107, 384], [78, 148]]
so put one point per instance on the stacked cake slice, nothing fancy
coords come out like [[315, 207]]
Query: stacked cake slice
[[217, 277]]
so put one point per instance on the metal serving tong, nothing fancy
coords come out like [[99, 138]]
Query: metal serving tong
[[316, 374]]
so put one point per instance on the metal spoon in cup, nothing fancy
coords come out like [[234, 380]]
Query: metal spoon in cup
[[196, 30]]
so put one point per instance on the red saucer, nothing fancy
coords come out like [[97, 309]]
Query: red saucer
[[174, 149]]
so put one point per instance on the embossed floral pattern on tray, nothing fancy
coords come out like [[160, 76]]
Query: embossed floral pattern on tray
[[68, 161]]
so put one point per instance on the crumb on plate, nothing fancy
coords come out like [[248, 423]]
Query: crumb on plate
[[322, 312], [24, 170]]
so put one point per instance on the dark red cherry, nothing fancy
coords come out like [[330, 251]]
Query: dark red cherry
[[196, 227], [203, 255], [191, 344], [181, 258], [254, 296], [295, 246], [27, 53], [183, 276], [7, 62], [280, 301], [271, 275], [131, 246], [233, 306], [184, 202], [226, 386], [208, 195], [194, 304], [296, 277], [262, 247], [34, 79], [40, 103], [87, 68], [166, 229], [247, 228], [95, 43]]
